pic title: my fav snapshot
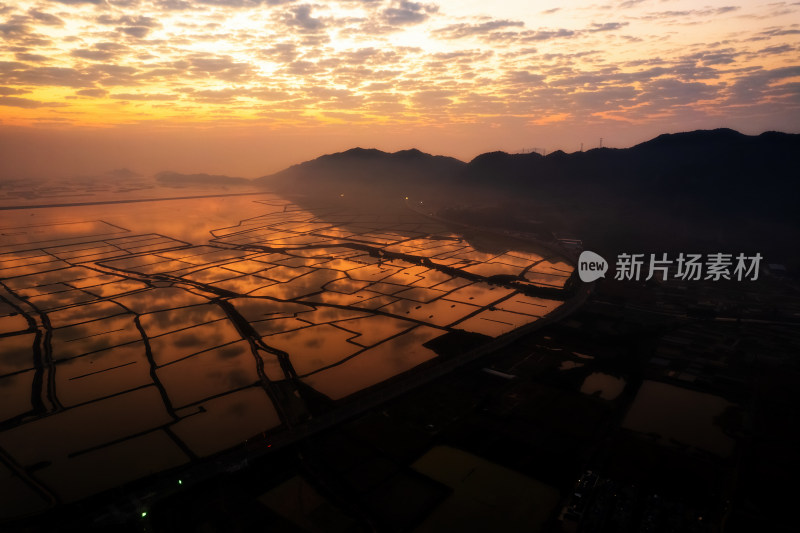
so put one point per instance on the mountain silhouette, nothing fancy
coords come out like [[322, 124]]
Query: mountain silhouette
[[366, 170], [705, 188], [717, 169]]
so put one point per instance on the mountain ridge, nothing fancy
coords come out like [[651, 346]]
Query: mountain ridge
[[693, 141], [715, 170], [715, 188]]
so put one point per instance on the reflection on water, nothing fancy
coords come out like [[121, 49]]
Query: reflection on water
[[484, 496], [102, 373], [374, 365], [14, 391], [161, 322], [606, 386], [680, 416], [226, 421], [135, 339], [16, 353]]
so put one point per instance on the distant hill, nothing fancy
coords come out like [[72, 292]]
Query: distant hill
[[123, 173], [118, 175], [716, 169], [708, 189], [359, 169], [711, 170], [177, 179]]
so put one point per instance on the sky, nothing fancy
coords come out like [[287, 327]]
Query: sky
[[249, 87]]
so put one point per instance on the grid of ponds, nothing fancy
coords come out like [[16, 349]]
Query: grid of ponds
[[125, 354]]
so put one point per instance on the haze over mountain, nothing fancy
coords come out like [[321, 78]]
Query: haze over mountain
[[179, 180], [704, 188], [371, 171], [720, 167]]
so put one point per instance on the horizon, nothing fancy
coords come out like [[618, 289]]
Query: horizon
[[109, 172], [249, 88]]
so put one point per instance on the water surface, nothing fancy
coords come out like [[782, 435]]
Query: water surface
[[137, 338]]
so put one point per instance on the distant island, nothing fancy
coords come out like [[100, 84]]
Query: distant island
[[177, 179]]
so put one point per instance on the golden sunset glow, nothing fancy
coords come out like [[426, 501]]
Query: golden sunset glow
[[440, 75]]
